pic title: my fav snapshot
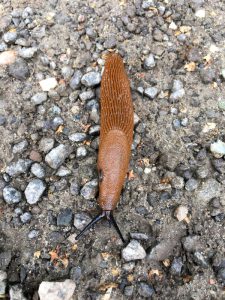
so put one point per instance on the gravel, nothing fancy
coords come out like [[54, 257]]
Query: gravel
[[77, 137], [37, 170], [65, 217], [75, 81], [39, 98], [133, 251], [20, 147], [81, 220], [19, 167], [57, 290], [27, 52], [91, 79], [19, 69], [11, 195], [34, 190], [90, 189], [81, 152], [57, 156], [25, 217], [3, 277], [145, 290], [208, 190], [46, 144], [149, 62], [151, 92]]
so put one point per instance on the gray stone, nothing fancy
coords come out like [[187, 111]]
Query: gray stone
[[207, 75], [200, 260], [5, 259], [162, 251], [16, 293], [203, 171], [46, 144], [34, 190], [74, 188], [91, 79], [94, 130], [67, 72], [111, 42], [191, 185], [177, 85], [133, 251], [89, 190], [20, 147], [81, 220], [11, 195], [33, 234], [87, 95], [19, 167], [149, 62], [39, 98], [177, 182], [19, 69], [140, 90], [128, 290], [177, 95], [208, 190], [3, 47], [27, 52], [184, 122], [2, 120], [63, 171], [139, 236], [57, 156], [158, 35], [147, 3], [191, 243], [76, 80], [145, 290], [38, 170], [64, 218], [94, 115], [56, 122], [176, 266], [77, 137], [25, 217], [151, 92], [63, 290], [10, 37], [81, 152], [3, 277], [176, 123]]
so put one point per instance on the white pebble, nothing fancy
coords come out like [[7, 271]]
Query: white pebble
[[181, 213], [48, 84], [218, 148]]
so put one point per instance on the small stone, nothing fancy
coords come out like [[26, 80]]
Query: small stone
[[74, 188], [11, 195], [111, 42], [158, 35], [94, 130], [128, 290], [81, 152], [181, 213], [223, 73], [200, 260], [19, 69], [64, 218], [203, 171], [151, 92], [145, 290], [91, 79], [149, 62], [77, 137], [218, 148], [5, 259], [177, 182], [173, 26], [61, 184], [35, 156], [26, 217], [136, 119], [207, 75], [133, 251], [75, 273], [221, 275], [176, 266], [7, 57], [57, 156], [33, 234], [191, 185], [140, 90], [27, 52], [176, 123], [3, 277], [38, 170], [46, 144], [10, 37], [184, 122], [56, 122], [81, 220], [87, 95], [19, 167], [2, 120], [175, 96], [194, 55], [221, 105], [20, 147], [34, 191], [139, 236], [18, 211], [191, 243], [89, 190], [63, 290], [94, 115], [200, 13], [67, 72], [16, 293], [48, 84], [76, 80], [39, 98], [63, 171], [208, 190]]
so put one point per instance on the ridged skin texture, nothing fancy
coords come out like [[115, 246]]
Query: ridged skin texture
[[116, 132]]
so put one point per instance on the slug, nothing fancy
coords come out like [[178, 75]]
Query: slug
[[116, 135]]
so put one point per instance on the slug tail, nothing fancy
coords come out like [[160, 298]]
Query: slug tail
[[104, 214]]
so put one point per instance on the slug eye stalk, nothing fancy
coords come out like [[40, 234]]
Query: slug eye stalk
[[104, 214]]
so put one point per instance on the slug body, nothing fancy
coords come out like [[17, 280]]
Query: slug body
[[116, 135], [116, 132]]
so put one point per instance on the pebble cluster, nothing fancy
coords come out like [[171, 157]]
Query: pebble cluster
[[172, 209]]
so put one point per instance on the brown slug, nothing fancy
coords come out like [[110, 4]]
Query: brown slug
[[116, 135]]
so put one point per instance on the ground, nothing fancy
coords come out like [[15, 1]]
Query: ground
[[173, 200]]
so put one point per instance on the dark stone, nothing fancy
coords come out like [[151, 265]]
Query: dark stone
[[65, 217], [19, 69]]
